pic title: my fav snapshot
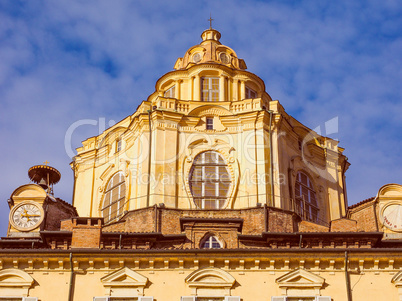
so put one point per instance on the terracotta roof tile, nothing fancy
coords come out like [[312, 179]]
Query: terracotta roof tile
[[361, 203]]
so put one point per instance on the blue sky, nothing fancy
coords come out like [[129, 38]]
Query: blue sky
[[66, 60]]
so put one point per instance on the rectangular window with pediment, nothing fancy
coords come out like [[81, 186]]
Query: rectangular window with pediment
[[210, 89]]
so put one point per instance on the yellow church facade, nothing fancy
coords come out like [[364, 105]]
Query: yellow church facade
[[209, 191]]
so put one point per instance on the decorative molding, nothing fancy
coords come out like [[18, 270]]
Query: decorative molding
[[124, 282], [202, 145], [15, 282], [106, 172], [208, 281], [300, 281]]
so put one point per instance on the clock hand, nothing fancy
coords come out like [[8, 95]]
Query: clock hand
[[25, 214]]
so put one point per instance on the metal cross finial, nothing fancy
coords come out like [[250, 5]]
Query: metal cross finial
[[210, 21], [46, 162]]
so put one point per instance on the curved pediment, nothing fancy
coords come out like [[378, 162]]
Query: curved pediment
[[15, 278], [209, 110], [32, 191], [210, 277], [390, 190], [111, 135]]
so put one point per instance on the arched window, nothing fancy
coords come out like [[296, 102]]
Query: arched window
[[305, 198], [113, 203], [209, 180], [211, 243]]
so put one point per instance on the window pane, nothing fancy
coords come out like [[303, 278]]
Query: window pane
[[107, 199], [297, 189], [113, 212], [205, 84], [122, 190], [204, 95], [303, 179], [214, 243], [121, 207], [215, 83]]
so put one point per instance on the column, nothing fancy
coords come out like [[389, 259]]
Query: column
[[242, 90], [178, 89], [222, 90], [235, 89], [197, 88]]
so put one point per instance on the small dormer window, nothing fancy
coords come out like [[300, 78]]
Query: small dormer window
[[210, 123], [250, 93], [170, 93]]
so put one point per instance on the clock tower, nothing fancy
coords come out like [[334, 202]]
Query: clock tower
[[33, 207]]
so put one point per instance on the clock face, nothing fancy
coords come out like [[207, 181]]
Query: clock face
[[392, 217], [26, 216]]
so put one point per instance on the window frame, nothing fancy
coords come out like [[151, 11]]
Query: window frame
[[250, 92], [208, 180], [211, 91], [171, 92], [120, 200], [209, 123], [306, 205], [118, 145], [211, 240]]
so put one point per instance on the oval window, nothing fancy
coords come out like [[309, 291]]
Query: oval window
[[197, 57], [224, 58]]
